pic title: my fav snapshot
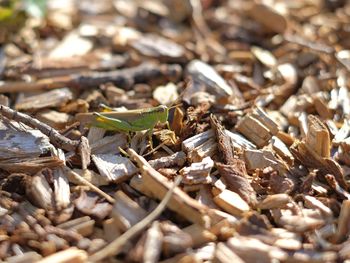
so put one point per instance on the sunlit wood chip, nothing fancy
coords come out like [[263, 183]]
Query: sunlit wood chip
[[253, 250], [67, 256], [198, 172], [275, 201], [231, 203], [126, 212], [114, 167], [318, 137]]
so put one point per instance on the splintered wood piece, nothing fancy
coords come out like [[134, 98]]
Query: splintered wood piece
[[282, 150], [223, 140], [72, 45], [275, 201], [54, 98], [89, 175], [138, 183], [20, 143], [30, 256], [268, 17], [111, 230], [78, 179], [236, 179], [82, 225], [57, 120], [264, 56], [321, 106], [153, 243], [343, 229], [231, 203], [95, 134], [30, 165], [312, 256], [108, 144], [61, 189], [204, 196], [312, 202], [343, 151], [126, 212], [152, 45], [207, 149], [206, 252], [254, 130], [123, 36], [88, 204], [114, 167], [174, 239], [214, 83], [69, 255], [306, 220], [310, 158], [199, 235], [40, 192], [180, 202], [195, 141], [318, 137], [253, 250], [239, 141], [55, 137], [176, 159], [342, 133], [114, 247], [166, 95], [61, 184], [198, 172], [260, 159], [223, 254], [259, 114]]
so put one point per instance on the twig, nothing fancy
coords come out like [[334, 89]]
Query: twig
[[114, 247], [124, 78], [224, 141], [309, 44], [55, 137], [92, 187]]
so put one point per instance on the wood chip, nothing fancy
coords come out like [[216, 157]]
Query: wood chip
[[54, 98], [231, 203], [114, 167], [66, 256]]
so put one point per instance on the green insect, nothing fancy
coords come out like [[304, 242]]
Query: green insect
[[128, 121], [132, 120]]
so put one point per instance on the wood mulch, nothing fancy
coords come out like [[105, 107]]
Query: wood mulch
[[253, 167]]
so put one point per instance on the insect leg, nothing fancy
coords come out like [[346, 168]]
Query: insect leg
[[149, 134], [168, 125]]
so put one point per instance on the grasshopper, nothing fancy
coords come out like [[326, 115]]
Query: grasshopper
[[132, 120], [128, 121]]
